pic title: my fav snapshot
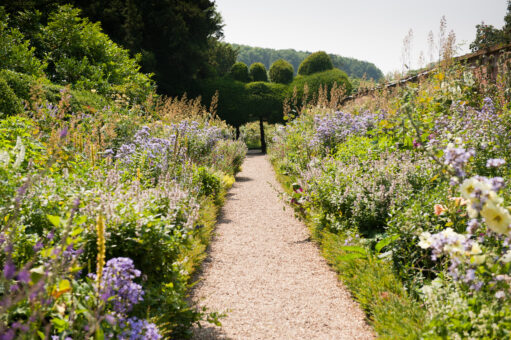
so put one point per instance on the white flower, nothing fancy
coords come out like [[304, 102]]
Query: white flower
[[425, 240], [507, 257], [20, 149], [4, 158]]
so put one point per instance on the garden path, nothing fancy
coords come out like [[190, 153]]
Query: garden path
[[264, 272]]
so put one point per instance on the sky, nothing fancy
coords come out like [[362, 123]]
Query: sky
[[371, 30]]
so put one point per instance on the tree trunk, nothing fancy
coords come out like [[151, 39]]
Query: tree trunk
[[263, 141], [237, 132]]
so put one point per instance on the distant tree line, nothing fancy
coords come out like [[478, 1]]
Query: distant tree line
[[354, 68]]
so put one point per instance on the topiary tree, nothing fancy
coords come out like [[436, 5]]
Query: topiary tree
[[258, 72], [281, 72], [316, 62], [239, 72], [265, 104]]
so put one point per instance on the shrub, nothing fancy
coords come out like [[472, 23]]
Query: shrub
[[20, 83], [281, 72], [316, 80], [79, 53], [314, 63], [10, 104], [15, 52], [258, 72], [239, 72]]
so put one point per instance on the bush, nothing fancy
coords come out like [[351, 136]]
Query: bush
[[20, 83], [15, 52], [325, 78], [239, 72], [258, 72], [314, 63], [79, 53], [10, 104], [281, 72]]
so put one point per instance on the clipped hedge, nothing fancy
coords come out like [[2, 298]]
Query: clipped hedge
[[239, 72], [281, 72], [314, 63], [258, 72], [316, 80]]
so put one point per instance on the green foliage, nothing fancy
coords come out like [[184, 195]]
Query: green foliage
[[172, 36], [222, 57], [208, 182], [16, 54], [232, 99], [315, 63], [281, 72], [258, 72], [239, 72], [353, 67], [316, 80], [79, 53], [488, 36], [10, 104], [265, 100]]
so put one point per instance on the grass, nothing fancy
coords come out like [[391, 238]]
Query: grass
[[371, 281]]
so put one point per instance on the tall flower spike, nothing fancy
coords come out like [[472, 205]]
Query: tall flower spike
[[100, 230]]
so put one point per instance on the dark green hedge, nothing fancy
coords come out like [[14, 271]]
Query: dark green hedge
[[316, 62], [315, 80], [281, 72], [258, 72]]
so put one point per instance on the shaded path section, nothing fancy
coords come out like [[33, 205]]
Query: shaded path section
[[266, 274]]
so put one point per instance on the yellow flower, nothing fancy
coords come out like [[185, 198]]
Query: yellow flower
[[496, 217], [478, 259]]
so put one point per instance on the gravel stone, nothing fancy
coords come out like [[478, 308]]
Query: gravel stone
[[265, 273]]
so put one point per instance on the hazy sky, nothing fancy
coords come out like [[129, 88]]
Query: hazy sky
[[371, 30]]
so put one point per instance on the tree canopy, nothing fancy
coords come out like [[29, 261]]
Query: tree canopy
[[172, 36], [488, 35]]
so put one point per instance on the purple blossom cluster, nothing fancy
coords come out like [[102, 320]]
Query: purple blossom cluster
[[117, 282], [457, 158], [138, 329], [334, 128]]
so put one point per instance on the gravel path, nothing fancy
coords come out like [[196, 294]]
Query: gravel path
[[265, 273]]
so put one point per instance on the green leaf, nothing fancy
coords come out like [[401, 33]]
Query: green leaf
[[55, 220], [385, 242], [41, 335]]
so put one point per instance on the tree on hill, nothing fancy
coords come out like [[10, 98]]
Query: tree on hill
[[314, 63], [258, 72], [281, 72]]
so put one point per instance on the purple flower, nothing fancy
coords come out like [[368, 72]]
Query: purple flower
[[38, 246], [117, 282], [9, 269], [63, 132], [24, 276], [495, 162], [137, 329], [500, 294], [8, 335]]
